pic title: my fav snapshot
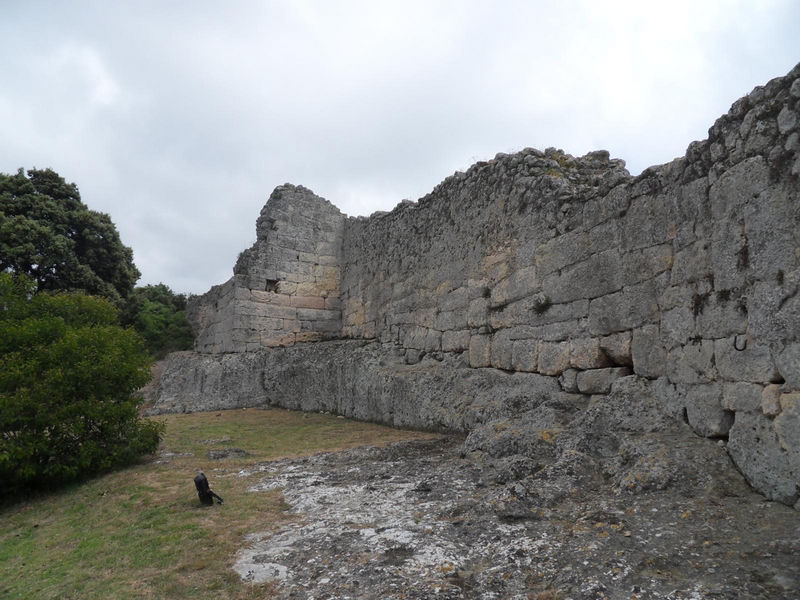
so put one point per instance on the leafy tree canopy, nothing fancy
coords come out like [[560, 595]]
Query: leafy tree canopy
[[68, 373], [48, 234], [157, 314]]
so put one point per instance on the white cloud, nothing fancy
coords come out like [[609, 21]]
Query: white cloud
[[179, 118]]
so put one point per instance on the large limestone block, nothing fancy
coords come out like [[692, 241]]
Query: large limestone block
[[755, 447], [588, 353], [455, 341], [598, 275], [692, 363], [788, 363], [705, 412], [599, 381], [553, 357], [644, 264], [648, 355], [480, 351], [518, 284], [754, 363], [525, 355], [730, 196]]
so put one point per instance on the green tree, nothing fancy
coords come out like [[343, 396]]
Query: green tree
[[48, 234], [158, 315], [68, 373]]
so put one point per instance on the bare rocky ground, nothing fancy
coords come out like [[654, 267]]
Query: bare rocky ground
[[442, 519]]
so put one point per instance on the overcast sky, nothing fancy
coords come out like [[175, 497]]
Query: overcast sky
[[178, 118]]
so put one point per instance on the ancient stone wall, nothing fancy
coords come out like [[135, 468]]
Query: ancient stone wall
[[539, 262], [285, 288]]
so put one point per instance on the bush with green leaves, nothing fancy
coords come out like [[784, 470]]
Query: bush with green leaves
[[158, 315], [68, 373]]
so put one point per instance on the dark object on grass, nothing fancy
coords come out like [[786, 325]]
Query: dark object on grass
[[204, 491]]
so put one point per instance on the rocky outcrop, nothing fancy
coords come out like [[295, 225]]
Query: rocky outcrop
[[540, 274]]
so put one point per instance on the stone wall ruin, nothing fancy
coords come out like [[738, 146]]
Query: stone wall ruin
[[565, 273]]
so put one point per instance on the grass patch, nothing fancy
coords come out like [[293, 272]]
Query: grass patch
[[142, 533]]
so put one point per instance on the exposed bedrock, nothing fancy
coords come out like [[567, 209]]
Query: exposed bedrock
[[537, 275]]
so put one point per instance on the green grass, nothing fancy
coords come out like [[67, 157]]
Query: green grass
[[141, 532]]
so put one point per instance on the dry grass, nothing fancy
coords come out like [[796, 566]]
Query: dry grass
[[142, 533]]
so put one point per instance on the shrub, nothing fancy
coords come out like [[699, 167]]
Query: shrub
[[158, 315], [67, 377]]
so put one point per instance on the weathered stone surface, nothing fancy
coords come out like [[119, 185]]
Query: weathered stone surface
[[754, 363], [480, 351], [588, 353], [742, 396], [754, 445], [771, 400], [598, 381], [788, 364], [440, 515], [553, 357], [648, 356], [705, 412], [693, 363]]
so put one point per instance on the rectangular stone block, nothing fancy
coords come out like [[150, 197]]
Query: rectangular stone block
[[705, 412], [433, 341], [455, 341], [617, 347], [478, 314], [677, 326], [313, 314], [456, 300], [553, 358], [450, 320], [272, 340], [596, 276], [753, 363], [587, 353], [501, 351], [770, 400], [275, 311], [331, 327], [518, 284], [742, 396], [315, 302], [610, 206], [265, 297], [692, 363], [649, 356], [562, 251], [414, 337], [644, 264], [480, 351], [598, 381], [525, 355], [692, 263], [333, 303], [650, 220], [309, 336]]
